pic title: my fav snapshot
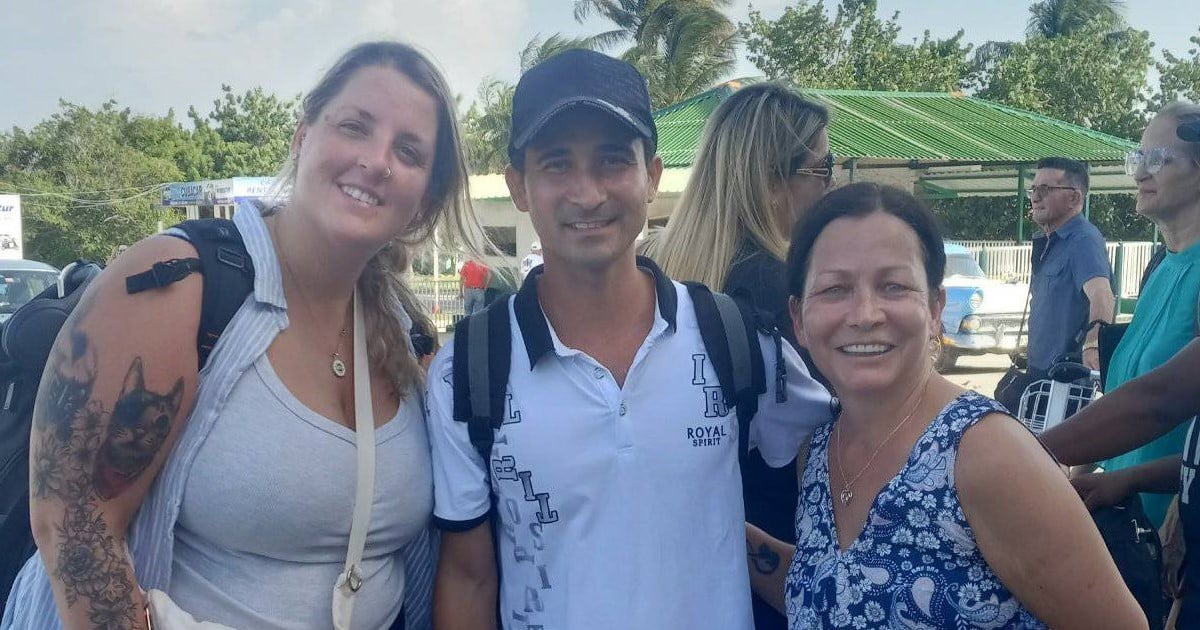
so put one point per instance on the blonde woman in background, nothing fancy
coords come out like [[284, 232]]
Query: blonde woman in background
[[763, 161], [237, 486]]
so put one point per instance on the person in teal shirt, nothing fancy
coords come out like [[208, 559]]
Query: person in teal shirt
[[1163, 323], [1167, 171]]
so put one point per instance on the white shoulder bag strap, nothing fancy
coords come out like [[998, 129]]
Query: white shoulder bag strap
[[351, 579]]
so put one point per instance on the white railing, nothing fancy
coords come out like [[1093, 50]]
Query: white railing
[[1135, 257], [1014, 262], [1006, 262], [976, 245]]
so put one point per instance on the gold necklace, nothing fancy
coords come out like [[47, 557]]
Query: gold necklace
[[337, 365], [846, 495]]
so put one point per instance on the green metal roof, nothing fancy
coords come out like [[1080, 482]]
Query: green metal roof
[[903, 127]]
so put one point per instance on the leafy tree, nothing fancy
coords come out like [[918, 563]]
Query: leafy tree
[[1058, 18], [486, 127], [246, 134], [1179, 77], [1095, 78], [682, 47], [854, 49], [90, 180]]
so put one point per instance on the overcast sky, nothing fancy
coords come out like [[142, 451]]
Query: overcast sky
[[152, 55]]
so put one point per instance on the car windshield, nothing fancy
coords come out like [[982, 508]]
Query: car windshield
[[19, 286], [963, 265]]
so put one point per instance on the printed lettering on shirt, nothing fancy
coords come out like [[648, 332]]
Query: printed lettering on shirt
[[511, 414], [529, 569], [714, 407], [1191, 462]]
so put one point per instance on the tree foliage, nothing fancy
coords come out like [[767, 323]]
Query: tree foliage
[[682, 47], [1179, 76], [1095, 78], [853, 49], [246, 134], [91, 179], [1060, 18]]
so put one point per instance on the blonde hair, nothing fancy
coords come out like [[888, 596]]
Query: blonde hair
[[385, 295], [747, 145]]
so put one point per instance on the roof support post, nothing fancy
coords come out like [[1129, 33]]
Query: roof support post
[[1087, 204], [853, 163], [1020, 205]]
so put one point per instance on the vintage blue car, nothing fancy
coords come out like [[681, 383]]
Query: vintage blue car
[[982, 316]]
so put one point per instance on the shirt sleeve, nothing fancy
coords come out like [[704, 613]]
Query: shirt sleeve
[[461, 494], [780, 427], [1090, 261]]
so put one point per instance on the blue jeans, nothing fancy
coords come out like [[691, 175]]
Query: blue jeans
[[473, 301]]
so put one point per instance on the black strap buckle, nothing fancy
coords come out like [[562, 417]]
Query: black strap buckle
[[162, 274]]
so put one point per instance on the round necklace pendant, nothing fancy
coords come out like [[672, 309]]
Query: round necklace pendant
[[845, 496], [339, 368]]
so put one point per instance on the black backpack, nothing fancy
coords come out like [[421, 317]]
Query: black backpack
[[29, 335], [483, 354]]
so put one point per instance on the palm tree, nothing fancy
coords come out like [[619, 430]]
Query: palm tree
[[539, 50], [1056, 18], [692, 55], [681, 46]]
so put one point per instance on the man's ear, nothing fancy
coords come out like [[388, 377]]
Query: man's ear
[[516, 187], [654, 171]]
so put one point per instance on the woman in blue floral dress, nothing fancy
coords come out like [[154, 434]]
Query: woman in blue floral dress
[[923, 505]]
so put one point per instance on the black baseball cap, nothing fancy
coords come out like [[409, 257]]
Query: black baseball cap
[[1189, 131], [579, 77]]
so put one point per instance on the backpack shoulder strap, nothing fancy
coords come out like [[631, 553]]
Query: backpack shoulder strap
[[228, 276], [482, 357], [730, 338]]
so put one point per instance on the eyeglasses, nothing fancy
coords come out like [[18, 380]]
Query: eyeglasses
[[1043, 190], [825, 171], [1153, 160]]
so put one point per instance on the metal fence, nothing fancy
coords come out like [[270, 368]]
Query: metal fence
[[1001, 260], [441, 298], [1014, 262], [976, 245]]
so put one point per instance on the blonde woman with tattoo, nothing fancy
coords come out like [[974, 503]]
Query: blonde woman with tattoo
[[233, 489]]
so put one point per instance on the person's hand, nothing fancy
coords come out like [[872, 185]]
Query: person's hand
[[1101, 489], [1091, 358]]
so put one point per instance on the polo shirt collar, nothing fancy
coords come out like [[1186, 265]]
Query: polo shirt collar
[[1072, 227], [1066, 230], [535, 330]]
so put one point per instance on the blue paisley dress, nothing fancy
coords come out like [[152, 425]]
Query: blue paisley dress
[[915, 564]]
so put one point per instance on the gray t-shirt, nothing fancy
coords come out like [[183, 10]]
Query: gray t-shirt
[[266, 512]]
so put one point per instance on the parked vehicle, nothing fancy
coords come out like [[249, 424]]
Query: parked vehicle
[[982, 316], [20, 280]]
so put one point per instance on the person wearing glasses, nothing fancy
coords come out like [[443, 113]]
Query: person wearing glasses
[[1072, 280], [1167, 171], [1152, 396], [763, 162]]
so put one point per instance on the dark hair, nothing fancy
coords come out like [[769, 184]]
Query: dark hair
[[860, 200], [1076, 171]]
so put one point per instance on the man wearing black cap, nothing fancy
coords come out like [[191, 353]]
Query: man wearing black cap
[[613, 480]]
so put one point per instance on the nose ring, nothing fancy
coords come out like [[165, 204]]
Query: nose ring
[[388, 173]]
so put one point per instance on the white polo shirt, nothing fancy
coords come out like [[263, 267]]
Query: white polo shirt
[[618, 507]]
